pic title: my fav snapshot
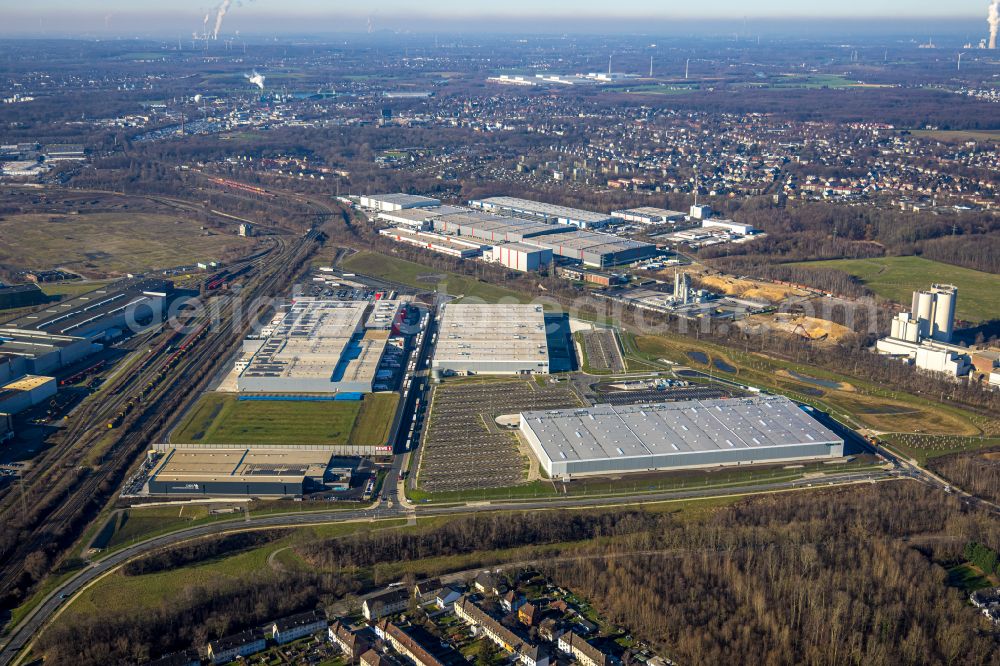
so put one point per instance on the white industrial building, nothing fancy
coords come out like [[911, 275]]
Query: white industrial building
[[609, 439], [397, 201], [923, 335], [449, 245], [738, 228], [419, 218], [549, 213], [683, 294], [700, 212], [491, 339], [648, 215], [315, 346], [520, 256]]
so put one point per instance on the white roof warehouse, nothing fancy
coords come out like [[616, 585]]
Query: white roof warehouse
[[696, 433]]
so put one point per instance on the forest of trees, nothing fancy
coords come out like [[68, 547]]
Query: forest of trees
[[841, 576], [976, 472], [800, 581], [472, 533], [808, 231]]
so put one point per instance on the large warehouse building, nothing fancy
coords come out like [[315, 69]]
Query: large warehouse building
[[595, 249], [649, 215], [492, 339], [419, 218], [318, 346], [397, 201], [548, 213], [453, 247], [38, 353], [493, 228], [698, 433], [251, 472], [103, 313], [25, 393], [520, 256]]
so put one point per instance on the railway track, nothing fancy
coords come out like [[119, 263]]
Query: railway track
[[69, 512], [100, 408]]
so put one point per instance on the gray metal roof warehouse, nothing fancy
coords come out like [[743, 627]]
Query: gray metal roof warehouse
[[101, 312], [494, 228], [595, 249], [543, 211], [695, 433]]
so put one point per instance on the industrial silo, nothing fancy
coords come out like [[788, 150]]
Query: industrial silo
[[945, 296], [924, 314]]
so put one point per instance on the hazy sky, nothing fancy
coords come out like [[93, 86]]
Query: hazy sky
[[770, 8], [160, 16]]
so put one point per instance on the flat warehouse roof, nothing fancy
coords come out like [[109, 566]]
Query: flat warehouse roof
[[318, 340], [590, 242], [64, 317], [27, 383], [471, 333], [401, 199], [494, 223], [201, 465], [650, 210], [541, 208], [422, 214], [521, 247], [607, 432], [30, 342]]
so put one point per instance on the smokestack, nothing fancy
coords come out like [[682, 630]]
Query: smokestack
[[256, 79], [993, 19], [223, 8]]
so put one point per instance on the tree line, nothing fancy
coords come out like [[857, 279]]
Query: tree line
[[975, 472]]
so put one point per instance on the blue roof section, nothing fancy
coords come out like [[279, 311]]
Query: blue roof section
[[287, 398]]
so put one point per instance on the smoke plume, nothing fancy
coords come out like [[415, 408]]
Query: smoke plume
[[993, 18], [220, 14], [256, 79]]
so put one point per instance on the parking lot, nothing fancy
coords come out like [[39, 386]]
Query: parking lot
[[464, 448], [602, 352], [655, 395]]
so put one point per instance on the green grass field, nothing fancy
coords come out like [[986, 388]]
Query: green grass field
[[421, 277], [375, 420], [896, 278], [222, 419]]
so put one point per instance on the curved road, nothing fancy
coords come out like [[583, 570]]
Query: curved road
[[23, 634]]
